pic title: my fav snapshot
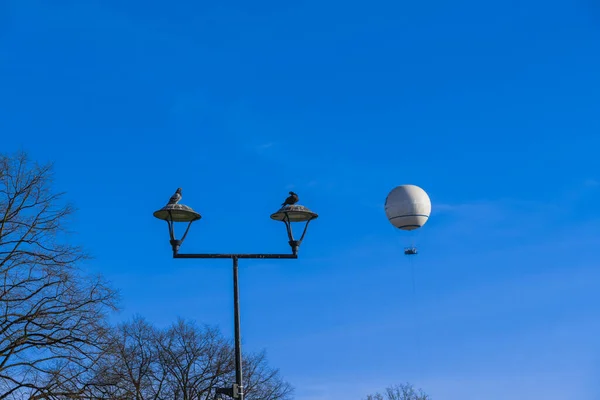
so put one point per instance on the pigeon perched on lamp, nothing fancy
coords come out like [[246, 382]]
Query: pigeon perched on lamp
[[292, 199], [176, 197]]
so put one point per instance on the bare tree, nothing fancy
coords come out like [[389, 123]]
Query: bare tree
[[52, 318], [183, 362], [404, 391]]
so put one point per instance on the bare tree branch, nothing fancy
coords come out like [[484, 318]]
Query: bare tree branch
[[52, 318]]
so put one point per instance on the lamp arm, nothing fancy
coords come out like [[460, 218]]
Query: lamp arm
[[304, 232]]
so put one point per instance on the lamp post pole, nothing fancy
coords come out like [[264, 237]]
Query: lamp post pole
[[236, 323], [290, 213], [237, 391]]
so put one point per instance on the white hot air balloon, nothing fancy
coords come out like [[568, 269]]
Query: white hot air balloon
[[408, 207]]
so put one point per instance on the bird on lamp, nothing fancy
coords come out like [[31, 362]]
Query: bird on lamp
[[175, 198], [292, 199]]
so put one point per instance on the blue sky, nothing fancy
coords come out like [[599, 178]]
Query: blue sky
[[491, 107]]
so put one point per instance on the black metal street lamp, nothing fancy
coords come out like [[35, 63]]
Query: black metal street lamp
[[288, 214]]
